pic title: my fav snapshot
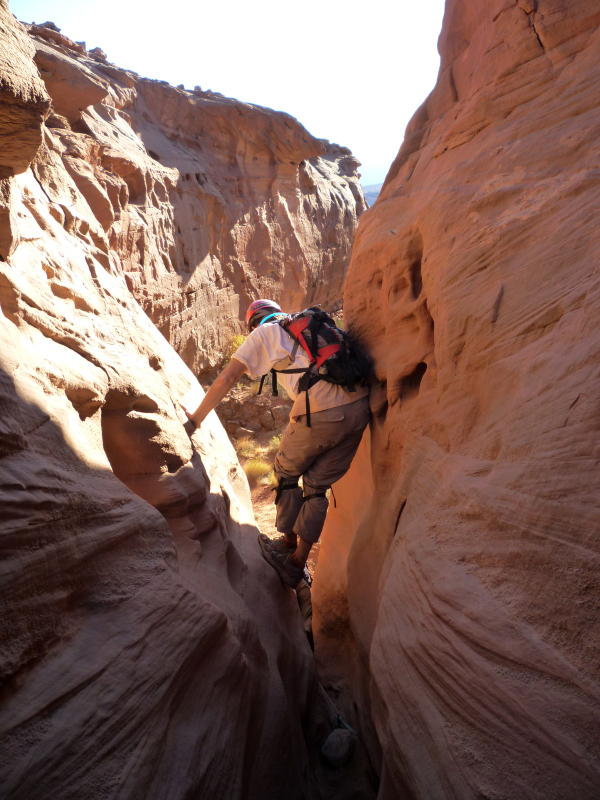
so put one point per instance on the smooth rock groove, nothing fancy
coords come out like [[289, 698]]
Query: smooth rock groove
[[460, 570], [148, 651]]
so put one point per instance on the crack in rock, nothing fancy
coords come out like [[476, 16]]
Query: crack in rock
[[530, 7]]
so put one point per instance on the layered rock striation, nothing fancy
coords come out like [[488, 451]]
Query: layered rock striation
[[463, 574], [147, 649], [204, 203]]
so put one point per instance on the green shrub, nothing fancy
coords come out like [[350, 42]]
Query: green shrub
[[231, 348], [274, 443]]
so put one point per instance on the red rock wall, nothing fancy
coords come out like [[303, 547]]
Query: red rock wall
[[203, 202], [147, 650], [472, 573]]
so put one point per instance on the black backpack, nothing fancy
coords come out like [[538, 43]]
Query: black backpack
[[333, 355]]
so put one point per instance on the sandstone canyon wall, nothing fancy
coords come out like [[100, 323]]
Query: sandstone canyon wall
[[147, 649], [464, 571], [203, 202]]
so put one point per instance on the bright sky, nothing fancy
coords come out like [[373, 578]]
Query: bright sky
[[351, 72]]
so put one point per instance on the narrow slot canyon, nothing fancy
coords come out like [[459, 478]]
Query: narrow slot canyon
[[148, 650]]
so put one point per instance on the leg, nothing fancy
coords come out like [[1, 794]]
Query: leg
[[298, 448], [300, 556], [325, 470], [322, 454], [288, 501]]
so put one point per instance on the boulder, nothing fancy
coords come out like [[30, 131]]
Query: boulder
[[71, 85], [267, 421], [240, 432], [98, 52], [281, 415], [338, 748]]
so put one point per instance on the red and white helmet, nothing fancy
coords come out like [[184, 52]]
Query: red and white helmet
[[258, 310]]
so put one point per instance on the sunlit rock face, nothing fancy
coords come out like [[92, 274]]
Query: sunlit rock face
[[147, 650], [466, 577], [203, 202]]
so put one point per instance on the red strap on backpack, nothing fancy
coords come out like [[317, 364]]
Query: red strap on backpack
[[325, 352], [296, 328]]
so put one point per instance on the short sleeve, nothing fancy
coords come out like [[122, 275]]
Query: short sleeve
[[253, 354], [266, 347]]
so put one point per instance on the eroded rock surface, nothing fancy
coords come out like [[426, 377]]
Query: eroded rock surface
[[204, 202], [470, 589], [23, 97], [147, 649]]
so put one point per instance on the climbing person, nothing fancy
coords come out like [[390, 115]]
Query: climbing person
[[307, 352]]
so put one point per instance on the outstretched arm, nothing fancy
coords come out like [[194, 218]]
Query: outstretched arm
[[226, 380]]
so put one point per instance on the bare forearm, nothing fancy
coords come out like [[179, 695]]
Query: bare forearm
[[222, 385], [211, 399]]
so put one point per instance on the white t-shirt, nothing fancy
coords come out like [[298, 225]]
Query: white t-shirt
[[270, 347]]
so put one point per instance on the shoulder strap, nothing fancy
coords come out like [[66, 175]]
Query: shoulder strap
[[313, 326]]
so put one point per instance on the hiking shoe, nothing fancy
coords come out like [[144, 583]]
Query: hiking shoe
[[282, 563], [278, 543]]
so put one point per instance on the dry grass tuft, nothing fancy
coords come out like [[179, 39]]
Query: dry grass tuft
[[256, 469], [268, 480], [245, 447]]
